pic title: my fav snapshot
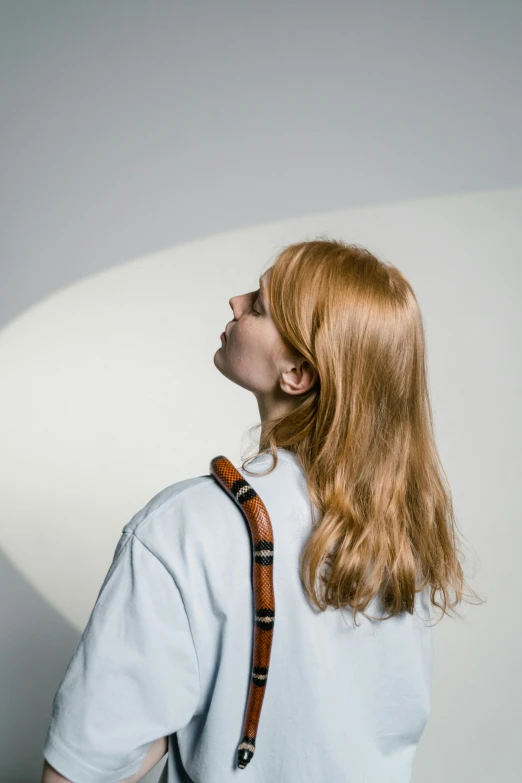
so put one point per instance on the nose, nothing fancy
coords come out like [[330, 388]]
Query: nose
[[235, 304]]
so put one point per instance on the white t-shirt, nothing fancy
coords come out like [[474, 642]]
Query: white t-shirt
[[167, 651]]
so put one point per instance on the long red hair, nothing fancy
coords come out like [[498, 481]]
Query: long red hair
[[363, 434]]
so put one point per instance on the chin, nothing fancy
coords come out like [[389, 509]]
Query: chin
[[217, 360]]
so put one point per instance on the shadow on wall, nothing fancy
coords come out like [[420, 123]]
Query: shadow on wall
[[36, 646]]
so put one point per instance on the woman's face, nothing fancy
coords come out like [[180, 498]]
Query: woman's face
[[249, 352], [255, 355]]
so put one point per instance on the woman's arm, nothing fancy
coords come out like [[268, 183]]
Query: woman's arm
[[155, 754]]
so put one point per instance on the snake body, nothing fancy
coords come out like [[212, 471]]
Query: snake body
[[254, 510]]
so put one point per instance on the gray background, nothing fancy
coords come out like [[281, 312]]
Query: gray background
[[131, 127]]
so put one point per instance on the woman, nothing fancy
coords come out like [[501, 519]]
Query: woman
[[332, 346]]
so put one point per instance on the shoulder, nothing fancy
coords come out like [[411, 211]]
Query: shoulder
[[188, 497], [192, 527], [193, 516], [196, 518]]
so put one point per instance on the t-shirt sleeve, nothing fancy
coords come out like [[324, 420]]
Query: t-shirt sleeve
[[133, 677]]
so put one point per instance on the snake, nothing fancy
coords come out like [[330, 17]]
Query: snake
[[254, 510]]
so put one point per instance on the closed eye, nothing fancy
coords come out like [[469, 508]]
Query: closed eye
[[256, 295]]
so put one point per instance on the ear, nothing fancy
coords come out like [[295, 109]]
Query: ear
[[298, 378]]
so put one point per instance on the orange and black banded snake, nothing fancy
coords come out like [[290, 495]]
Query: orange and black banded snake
[[254, 510]]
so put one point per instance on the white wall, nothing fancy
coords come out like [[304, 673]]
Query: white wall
[[155, 157]]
